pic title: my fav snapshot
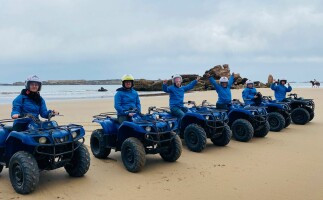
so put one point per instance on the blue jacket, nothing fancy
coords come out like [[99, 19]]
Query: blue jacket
[[176, 94], [248, 94], [22, 104], [280, 91], [224, 94], [125, 100]]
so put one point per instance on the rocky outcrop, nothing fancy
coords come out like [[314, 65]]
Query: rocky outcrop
[[148, 85], [204, 84], [270, 80], [220, 71], [217, 72]]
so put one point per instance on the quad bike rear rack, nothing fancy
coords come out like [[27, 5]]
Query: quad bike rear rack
[[105, 115]]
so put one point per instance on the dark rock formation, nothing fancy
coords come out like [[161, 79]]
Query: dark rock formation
[[270, 80], [204, 84]]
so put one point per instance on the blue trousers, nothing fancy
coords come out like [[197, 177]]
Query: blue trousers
[[178, 112]]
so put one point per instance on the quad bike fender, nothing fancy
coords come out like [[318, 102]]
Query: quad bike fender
[[108, 126]]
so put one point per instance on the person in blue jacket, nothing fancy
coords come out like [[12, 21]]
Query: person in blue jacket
[[127, 99], [280, 89], [176, 95], [224, 91], [249, 94], [29, 102]]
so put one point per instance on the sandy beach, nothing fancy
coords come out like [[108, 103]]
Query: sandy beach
[[285, 165]]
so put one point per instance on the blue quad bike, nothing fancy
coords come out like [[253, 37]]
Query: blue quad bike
[[302, 110], [143, 134], [279, 113], [247, 121], [199, 123], [43, 146]]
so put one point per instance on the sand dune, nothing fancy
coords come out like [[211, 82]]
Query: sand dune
[[285, 165]]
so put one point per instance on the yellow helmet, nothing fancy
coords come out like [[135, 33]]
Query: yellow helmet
[[127, 77]]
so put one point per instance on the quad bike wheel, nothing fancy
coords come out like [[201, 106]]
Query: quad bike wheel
[[133, 154], [225, 137], [98, 146], [23, 172], [242, 130], [276, 121], [80, 162], [174, 150], [195, 137], [300, 116]]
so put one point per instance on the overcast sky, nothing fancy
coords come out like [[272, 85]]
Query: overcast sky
[[104, 39]]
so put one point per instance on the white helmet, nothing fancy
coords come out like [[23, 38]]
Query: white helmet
[[224, 80], [176, 76], [31, 79], [283, 79], [249, 82]]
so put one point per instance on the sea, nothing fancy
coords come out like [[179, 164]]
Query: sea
[[79, 92], [64, 92]]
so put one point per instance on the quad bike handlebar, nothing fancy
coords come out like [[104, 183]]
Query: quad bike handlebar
[[293, 95], [154, 109], [269, 98], [52, 114], [110, 114], [190, 103]]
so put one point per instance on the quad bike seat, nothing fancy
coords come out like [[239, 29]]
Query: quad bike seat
[[9, 128], [115, 120], [4, 134]]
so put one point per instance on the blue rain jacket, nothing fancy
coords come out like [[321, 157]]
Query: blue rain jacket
[[248, 95], [125, 100], [280, 91], [224, 94], [176, 94], [22, 104]]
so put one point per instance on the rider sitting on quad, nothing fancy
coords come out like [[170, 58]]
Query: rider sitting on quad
[[280, 89], [250, 94], [126, 99], [224, 91], [176, 95], [29, 102]]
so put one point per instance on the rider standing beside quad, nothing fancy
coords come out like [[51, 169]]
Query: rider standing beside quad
[[126, 99], [250, 94], [29, 102], [280, 89], [224, 91], [176, 94]]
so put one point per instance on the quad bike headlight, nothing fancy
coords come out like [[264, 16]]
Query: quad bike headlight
[[42, 140], [157, 117], [74, 134], [148, 128], [207, 117]]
